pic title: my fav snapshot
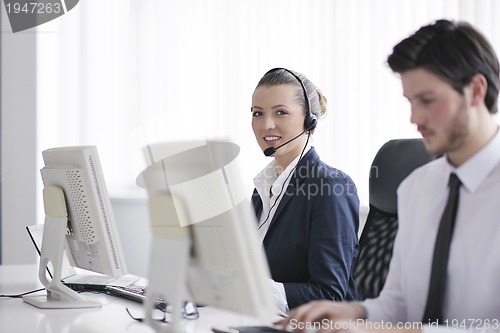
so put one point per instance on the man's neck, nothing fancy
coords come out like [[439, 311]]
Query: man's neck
[[482, 134]]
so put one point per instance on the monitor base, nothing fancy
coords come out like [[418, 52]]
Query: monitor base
[[45, 302]]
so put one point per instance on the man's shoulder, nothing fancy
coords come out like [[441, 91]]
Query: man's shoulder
[[424, 176]]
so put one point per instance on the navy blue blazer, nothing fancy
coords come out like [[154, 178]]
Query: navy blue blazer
[[312, 241]]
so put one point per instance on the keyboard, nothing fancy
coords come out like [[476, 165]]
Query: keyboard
[[137, 293]]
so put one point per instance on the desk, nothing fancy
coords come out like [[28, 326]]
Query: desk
[[17, 316]]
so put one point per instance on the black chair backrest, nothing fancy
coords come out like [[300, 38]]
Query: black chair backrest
[[394, 161]]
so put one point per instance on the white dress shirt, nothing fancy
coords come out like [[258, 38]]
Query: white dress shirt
[[473, 282], [266, 182]]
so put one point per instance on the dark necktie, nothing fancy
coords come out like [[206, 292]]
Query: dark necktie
[[435, 298]]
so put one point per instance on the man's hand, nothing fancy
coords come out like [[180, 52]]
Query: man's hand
[[317, 311]]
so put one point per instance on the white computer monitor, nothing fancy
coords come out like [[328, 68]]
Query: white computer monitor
[[79, 220], [205, 245]]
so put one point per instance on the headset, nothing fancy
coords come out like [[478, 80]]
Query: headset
[[310, 123], [311, 120]]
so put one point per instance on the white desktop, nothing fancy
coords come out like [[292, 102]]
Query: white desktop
[[17, 316], [205, 247]]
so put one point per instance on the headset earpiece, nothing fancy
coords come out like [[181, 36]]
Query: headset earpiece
[[310, 122]]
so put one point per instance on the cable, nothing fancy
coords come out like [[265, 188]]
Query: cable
[[41, 289], [21, 295], [291, 172]]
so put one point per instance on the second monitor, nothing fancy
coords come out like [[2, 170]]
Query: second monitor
[[205, 244]]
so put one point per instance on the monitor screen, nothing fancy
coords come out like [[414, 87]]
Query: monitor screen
[[205, 244], [79, 219]]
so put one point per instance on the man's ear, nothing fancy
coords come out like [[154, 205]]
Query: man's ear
[[478, 87]]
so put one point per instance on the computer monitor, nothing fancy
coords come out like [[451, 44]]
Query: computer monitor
[[205, 246], [79, 220]]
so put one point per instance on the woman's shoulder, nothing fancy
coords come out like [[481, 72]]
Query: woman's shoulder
[[315, 169], [323, 170]]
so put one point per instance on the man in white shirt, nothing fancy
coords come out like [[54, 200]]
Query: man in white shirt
[[450, 75]]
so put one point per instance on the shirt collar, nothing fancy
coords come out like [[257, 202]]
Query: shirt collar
[[475, 170], [269, 176]]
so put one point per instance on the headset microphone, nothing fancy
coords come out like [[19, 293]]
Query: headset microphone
[[269, 151]]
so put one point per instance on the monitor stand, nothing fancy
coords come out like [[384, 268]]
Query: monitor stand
[[58, 295], [169, 262]]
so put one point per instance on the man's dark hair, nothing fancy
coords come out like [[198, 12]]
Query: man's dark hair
[[454, 51]]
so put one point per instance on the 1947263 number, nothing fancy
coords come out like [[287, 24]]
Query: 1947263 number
[[492, 324], [33, 8]]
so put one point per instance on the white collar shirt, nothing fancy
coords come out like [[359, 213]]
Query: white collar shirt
[[473, 287], [268, 181]]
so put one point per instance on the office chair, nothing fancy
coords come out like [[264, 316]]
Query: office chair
[[394, 161]]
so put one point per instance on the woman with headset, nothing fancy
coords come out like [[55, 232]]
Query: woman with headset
[[307, 211]]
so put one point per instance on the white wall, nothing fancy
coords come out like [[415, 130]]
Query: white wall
[[132, 219], [18, 143]]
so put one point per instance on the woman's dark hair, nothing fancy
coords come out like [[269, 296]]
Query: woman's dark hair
[[454, 51]]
